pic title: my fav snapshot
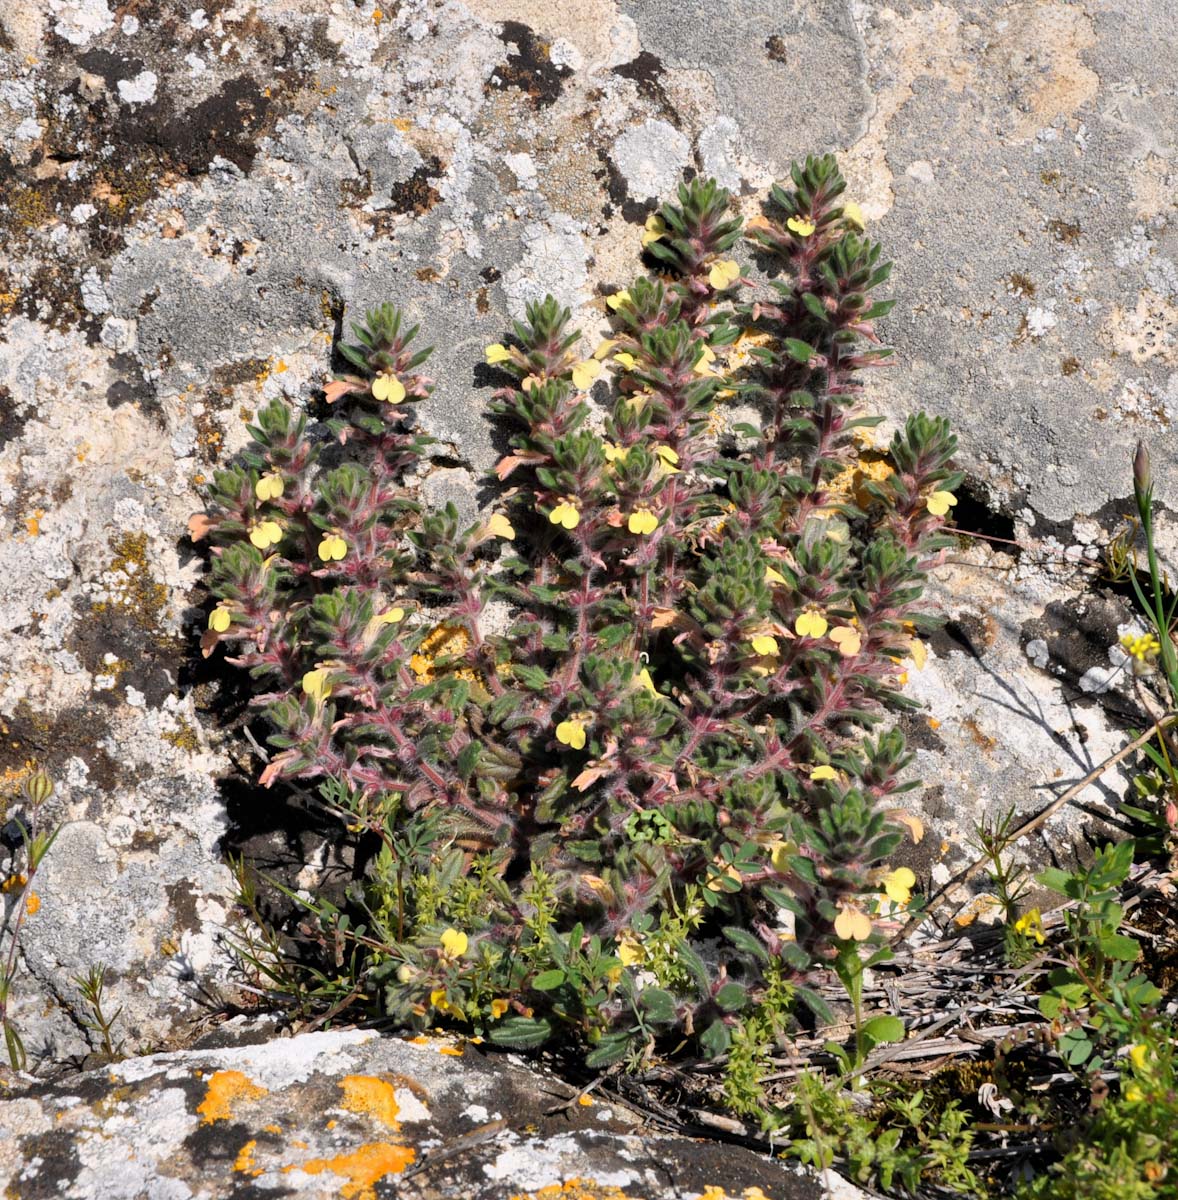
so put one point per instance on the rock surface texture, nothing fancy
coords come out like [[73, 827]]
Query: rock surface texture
[[191, 199], [356, 1115]]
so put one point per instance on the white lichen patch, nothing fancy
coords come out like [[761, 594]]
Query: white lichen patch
[[139, 90], [80, 21], [650, 157]]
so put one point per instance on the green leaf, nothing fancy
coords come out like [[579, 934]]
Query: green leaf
[[521, 1033], [716, 1039], [798, 350], [658, 1005], [1120, 947], [611, 1049], [1055, 879], [743, 940], [546, 981], [882, 1029], [732, 997]]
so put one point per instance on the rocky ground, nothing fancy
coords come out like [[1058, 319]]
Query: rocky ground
[[191, 200]]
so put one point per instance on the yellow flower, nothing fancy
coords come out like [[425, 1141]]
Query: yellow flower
[[824, 772], [438, 999], [939, 503], [220, 618], [642, 521], [668, 459], [705, 360], [847, 640], [617, 299], [498, 1008], [724, 274], [898, 885], [772, 576], [386, 386], [917, 653], [606, 346], [653, 229], [764, 643], [497, 353], [647, 682], [265, 533], [269, 487], [1141, 646], [332, 547], [1133, 1093], [454, 943], [315, 684], [800, 226], [1030, 925], [810, 623], [391, 617], [1137, 1055], [853, 215], [852, 924], [584, 373], [614, 454], [500, 526], [627, 360], [780, 853], [630, 948], [565, 515], [571, 733]]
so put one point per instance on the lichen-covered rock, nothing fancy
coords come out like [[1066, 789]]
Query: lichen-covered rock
[[193, 196], [359, 1116]]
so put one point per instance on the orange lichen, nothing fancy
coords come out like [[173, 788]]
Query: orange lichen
[[33, 523], [363, 1167], [227, 1088], [574, 1189], [32, 903], [373, 1096], [245, 1160]]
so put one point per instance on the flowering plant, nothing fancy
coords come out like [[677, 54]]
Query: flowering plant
[[645, 796]]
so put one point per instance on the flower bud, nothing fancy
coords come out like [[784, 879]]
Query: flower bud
[[38, 788], [1142, 475]]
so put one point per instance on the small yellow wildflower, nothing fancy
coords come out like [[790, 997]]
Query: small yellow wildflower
[[1133, 1093], [603, 350], [392, 617], [668, 459], [853, 215], [497, 353], [764, 643], [584, 373], [617, 299], [498, 1008], [772, 576], [939, 503], [265, 533], [500, 526], [852, 924], [614, 454], [645, 680], [810, 623], [780, 853], [332, 548], [315, 684], [724, 274], [704, 362], [654, 229], [454, 943], [1141, 646], [269, 487], [438, 999], [565, 514], [1137, 1055], [571, 732], [800, 226], [220, 618], [847, 640], [386, 386], [627, 360], [1030, 925], [898, 884], [630, 949], [826, 771], [642, 521], [918, 653]]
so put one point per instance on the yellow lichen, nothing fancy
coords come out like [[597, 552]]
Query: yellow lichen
[[245, 1159], [373, 1096], [225, 1089], [363, 1167], [575, 1189]]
